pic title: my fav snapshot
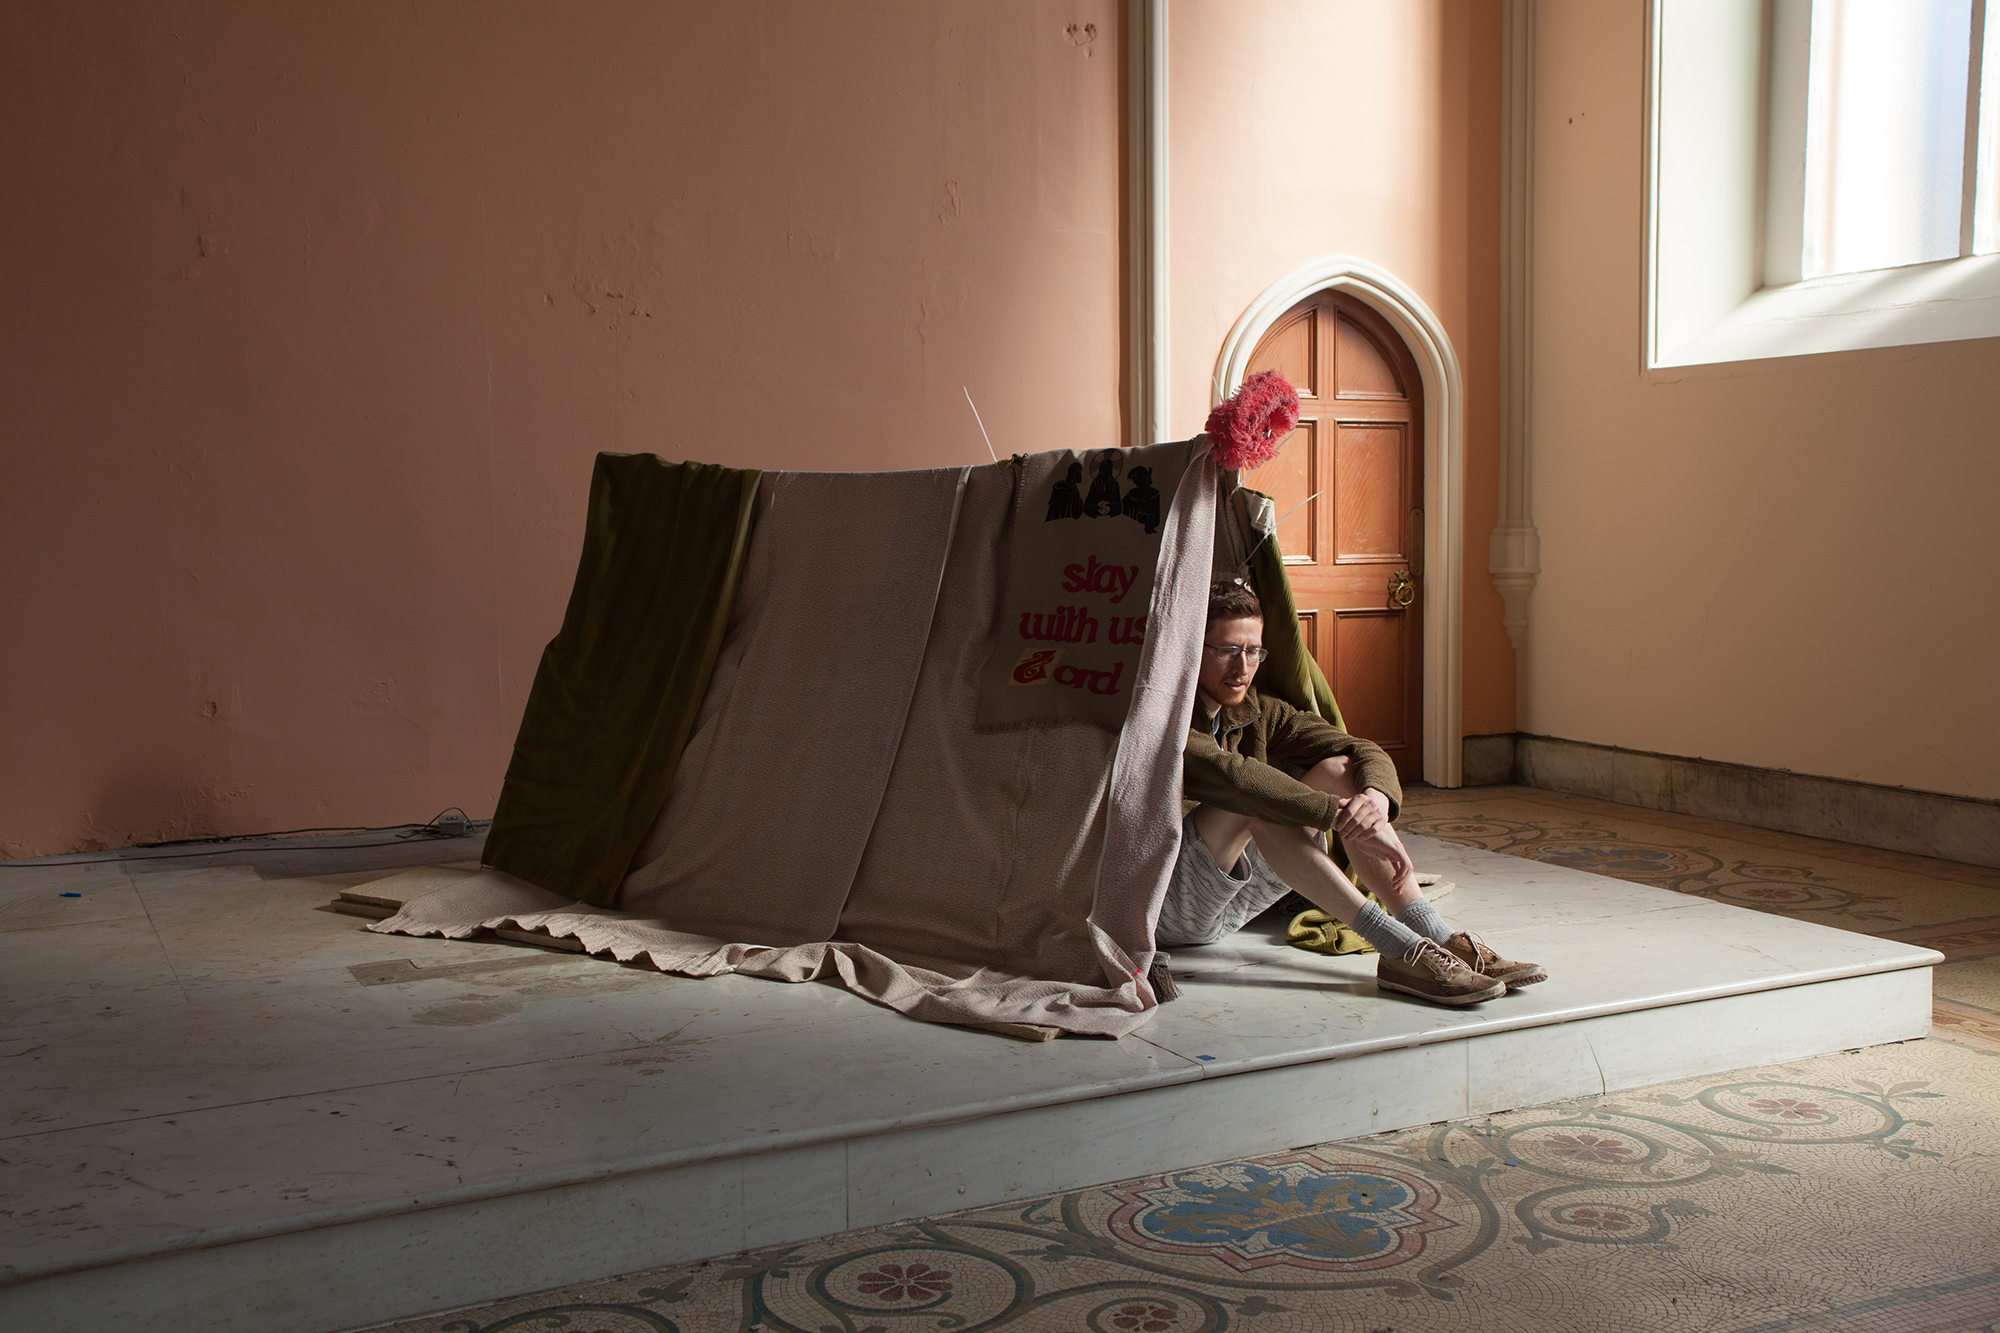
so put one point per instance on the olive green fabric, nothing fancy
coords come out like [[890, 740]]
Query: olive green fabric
[[1316, 932], [619, 687], [1289, 672]]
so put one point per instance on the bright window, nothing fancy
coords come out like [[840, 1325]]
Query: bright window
[[1824, 177], [1986, 195], [1899, 145]]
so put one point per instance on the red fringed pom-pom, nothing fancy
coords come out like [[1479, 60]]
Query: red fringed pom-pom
[[1246, 431]]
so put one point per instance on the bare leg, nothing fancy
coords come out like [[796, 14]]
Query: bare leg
[[1225, 832], [1384, 864], [1292, 853]]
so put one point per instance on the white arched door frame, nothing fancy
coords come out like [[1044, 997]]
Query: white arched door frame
[[1444, 469]]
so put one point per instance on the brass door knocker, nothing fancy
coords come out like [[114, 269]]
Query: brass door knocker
[[1402, 588]]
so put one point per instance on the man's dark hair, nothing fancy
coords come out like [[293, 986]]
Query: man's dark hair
[[1233, 600]]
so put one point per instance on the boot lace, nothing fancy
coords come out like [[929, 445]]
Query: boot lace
[[1433, 956], [1481, 954]]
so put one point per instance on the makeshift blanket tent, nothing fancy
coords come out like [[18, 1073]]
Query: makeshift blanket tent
[[837, 811], [919, 733]]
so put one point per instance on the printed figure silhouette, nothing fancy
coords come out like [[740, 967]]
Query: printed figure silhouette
[[1142, 502], [1065, 501], [1103, 499]]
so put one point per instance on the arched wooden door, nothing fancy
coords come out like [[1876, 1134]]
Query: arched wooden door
[[1349, 487]]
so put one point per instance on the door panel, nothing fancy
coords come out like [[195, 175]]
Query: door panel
[[1359, 450], [1291, 349], [1368, 679], [1366, 370], [1368, 503], [1291, 479]]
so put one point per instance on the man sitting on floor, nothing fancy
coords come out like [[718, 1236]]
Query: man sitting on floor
[[1249, 815]]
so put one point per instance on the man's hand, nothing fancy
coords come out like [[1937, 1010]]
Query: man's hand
[[1361, 815], [1363, 824]]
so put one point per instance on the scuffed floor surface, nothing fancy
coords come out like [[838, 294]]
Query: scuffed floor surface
[[1857, 1192], [1851, 1192]]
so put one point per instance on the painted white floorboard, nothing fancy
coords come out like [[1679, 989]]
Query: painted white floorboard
[[212, 1122]]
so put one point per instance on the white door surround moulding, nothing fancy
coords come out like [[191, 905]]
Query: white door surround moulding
[[1444, 469], [1149, 366]]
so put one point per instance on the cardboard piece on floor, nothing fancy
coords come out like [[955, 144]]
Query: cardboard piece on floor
[[1023, 1031]]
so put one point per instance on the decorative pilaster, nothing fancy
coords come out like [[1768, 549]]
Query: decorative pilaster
[[1514, 554]]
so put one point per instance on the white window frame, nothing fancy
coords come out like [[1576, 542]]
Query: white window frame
[[1710, 177]]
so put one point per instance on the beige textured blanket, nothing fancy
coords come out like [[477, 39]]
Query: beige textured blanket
[[1078, 584], [837, 815]]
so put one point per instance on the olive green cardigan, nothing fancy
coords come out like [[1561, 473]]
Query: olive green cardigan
[[1261, 738]]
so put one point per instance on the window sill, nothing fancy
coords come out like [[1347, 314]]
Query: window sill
[[1948, 301]]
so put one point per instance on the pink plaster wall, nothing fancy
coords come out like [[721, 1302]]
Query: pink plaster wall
[[1307, 128], [1787, 563], [317, 312]]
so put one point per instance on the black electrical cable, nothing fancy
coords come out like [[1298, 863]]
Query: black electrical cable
[[293, 832], [220, 845], [280, 833]]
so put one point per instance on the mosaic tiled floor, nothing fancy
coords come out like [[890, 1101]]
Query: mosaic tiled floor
[[1855, 1192], [1942, 905]]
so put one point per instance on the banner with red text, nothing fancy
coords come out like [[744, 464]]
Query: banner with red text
[[1084, 544]]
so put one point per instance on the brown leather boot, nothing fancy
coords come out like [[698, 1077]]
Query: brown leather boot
[[1472, 951], [1429, 973]]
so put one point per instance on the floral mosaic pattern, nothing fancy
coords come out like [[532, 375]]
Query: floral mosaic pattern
[[1300, 1210], [1953, 909], [1856, 1193], [1968, 1024], [1603, 847], [1589, 1148], [1669, 1206], [906, 1282]]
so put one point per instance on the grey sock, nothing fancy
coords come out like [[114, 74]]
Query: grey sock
[[1421, 917], [1391, 938]]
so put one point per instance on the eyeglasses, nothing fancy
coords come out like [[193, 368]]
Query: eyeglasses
[[1229, 652]]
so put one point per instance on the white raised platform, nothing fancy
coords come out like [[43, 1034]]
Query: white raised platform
[[224, 1111]]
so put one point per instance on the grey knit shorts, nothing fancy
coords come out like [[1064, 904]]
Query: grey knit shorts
[[1205, 902]]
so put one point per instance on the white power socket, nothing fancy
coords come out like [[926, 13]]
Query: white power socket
[[452, 824]]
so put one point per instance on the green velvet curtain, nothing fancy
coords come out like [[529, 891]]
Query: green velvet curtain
[[1290, 671], [619, 687]]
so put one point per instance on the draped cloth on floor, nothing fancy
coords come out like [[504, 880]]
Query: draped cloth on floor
[[836, 815]]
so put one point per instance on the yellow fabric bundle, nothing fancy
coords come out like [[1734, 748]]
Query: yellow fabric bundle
[[1316, 932]]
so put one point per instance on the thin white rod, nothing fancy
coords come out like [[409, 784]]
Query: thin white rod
[[982, 425]]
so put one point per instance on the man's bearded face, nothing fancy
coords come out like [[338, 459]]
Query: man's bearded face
[[1226, 680]]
